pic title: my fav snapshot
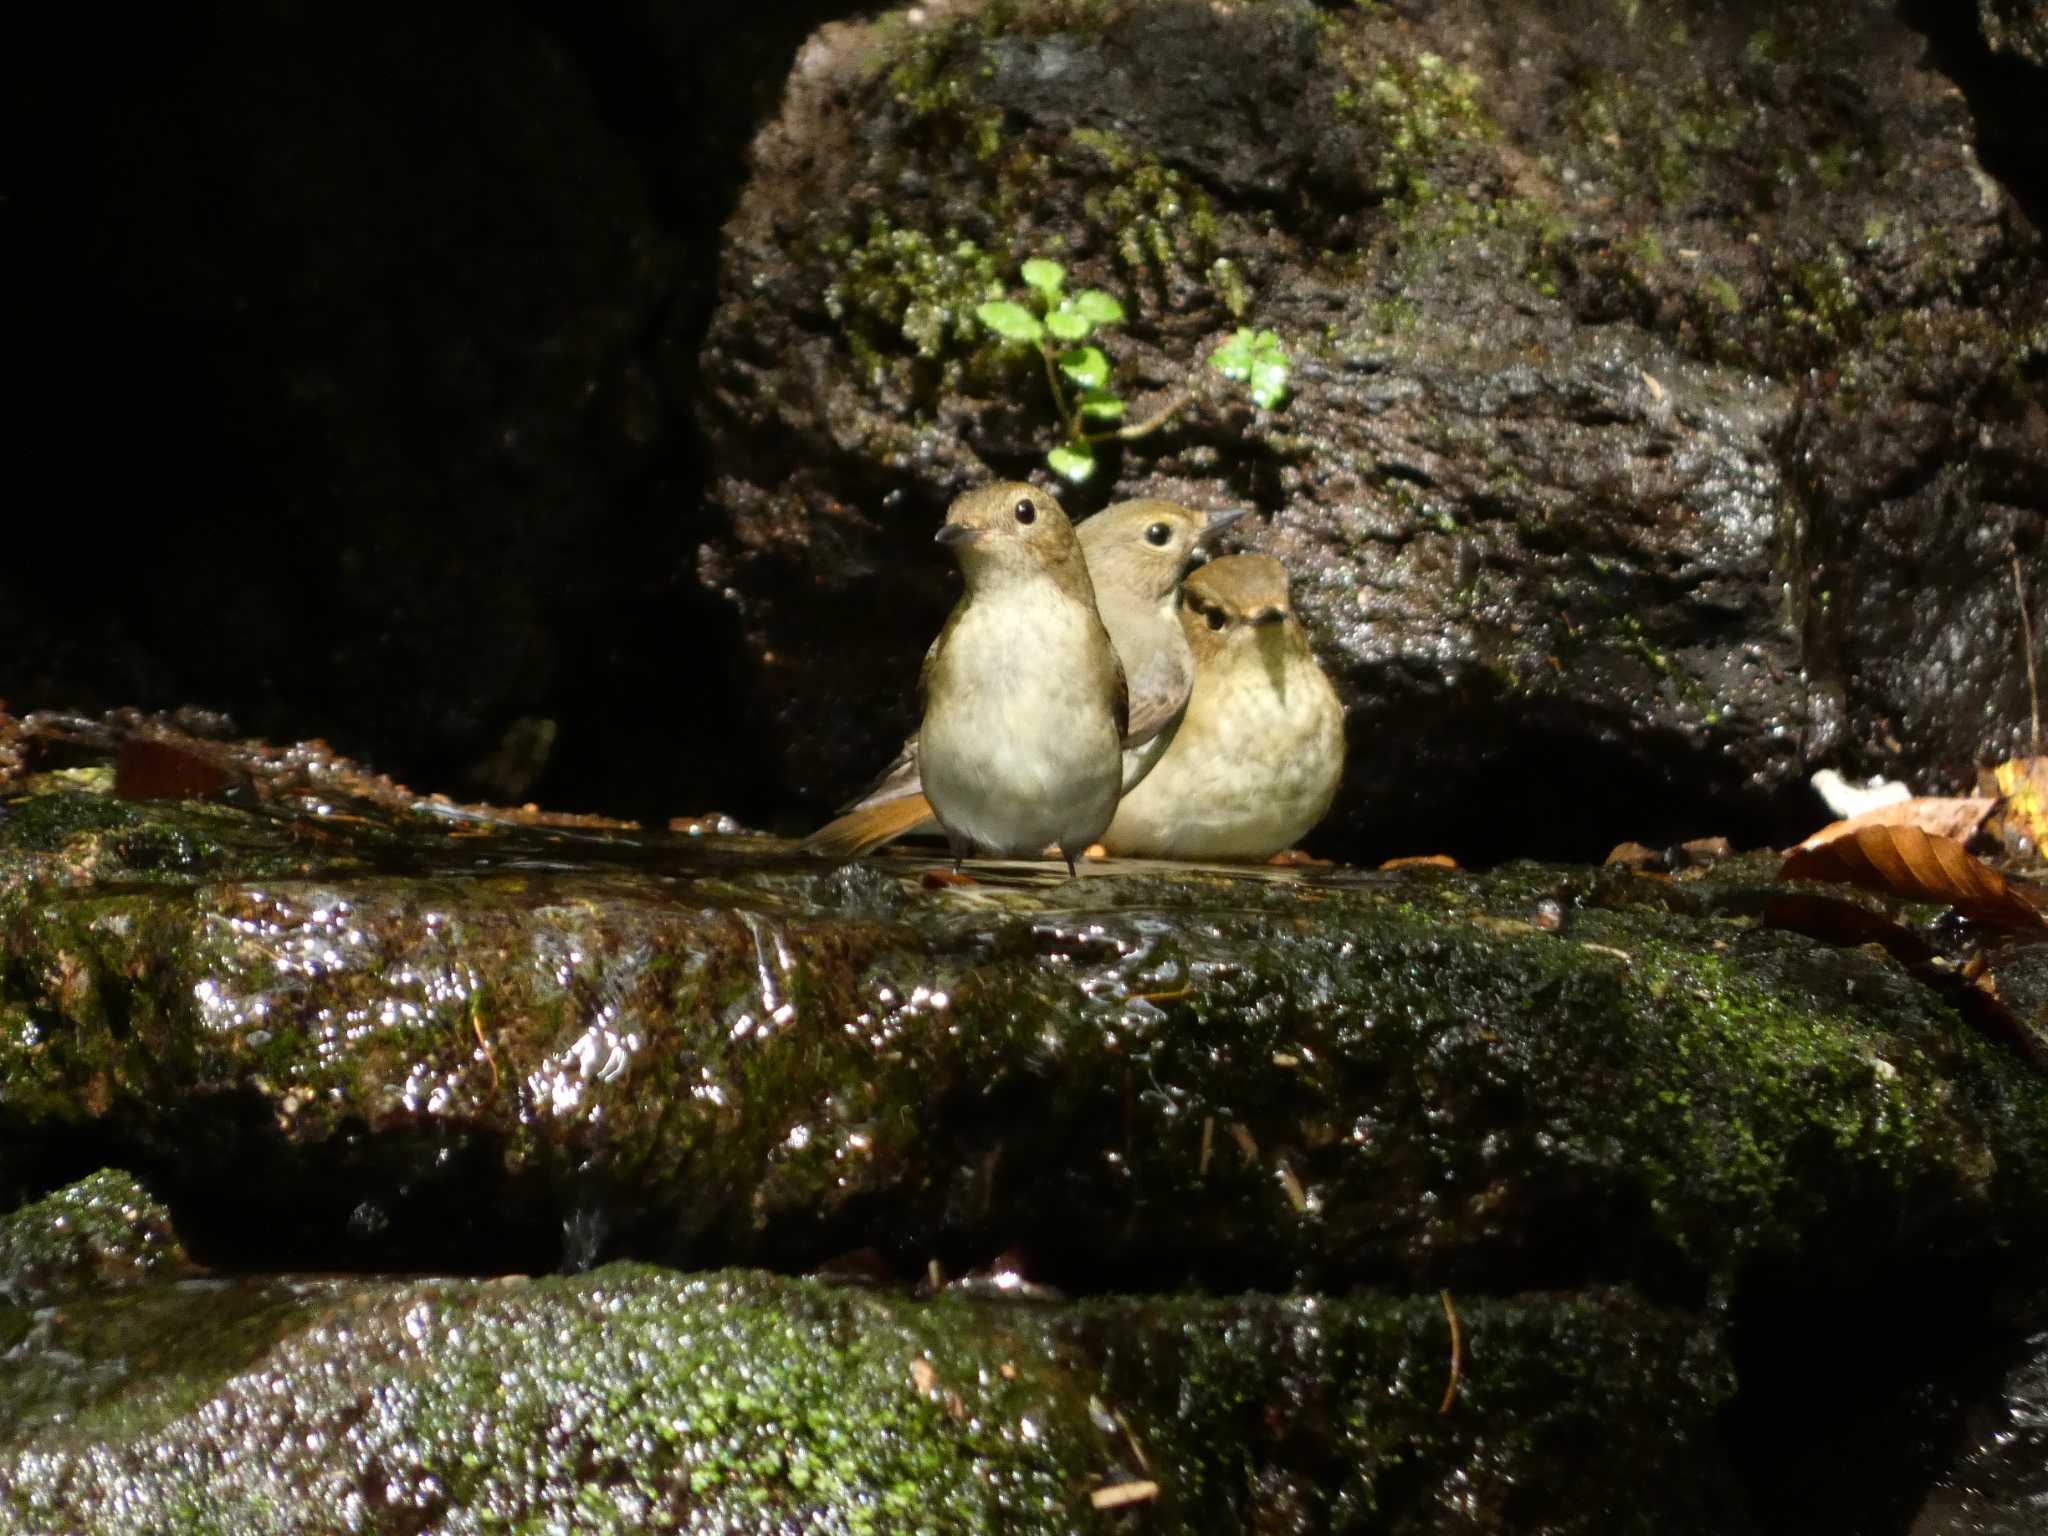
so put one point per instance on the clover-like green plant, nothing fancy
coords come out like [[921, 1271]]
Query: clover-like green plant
[[1256, 360], [1059, 326]]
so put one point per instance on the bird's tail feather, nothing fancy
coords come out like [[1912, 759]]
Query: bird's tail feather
[[864, 830]]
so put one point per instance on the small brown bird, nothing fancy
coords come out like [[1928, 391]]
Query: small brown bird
[[1137, 552], [1255, 760], [1020, 747]]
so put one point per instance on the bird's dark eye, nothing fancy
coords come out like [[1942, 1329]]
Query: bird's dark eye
[[1215, 618], [1158, 533], [1026, 512]]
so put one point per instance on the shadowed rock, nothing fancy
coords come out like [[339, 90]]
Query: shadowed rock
[[1666, 407]]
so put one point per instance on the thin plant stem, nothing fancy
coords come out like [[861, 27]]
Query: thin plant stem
[[1149, 425], [2019, 587], [1059, 396]]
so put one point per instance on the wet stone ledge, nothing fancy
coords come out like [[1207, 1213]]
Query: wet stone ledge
[[1677, 1166], [632, 1398], [367, 1040]]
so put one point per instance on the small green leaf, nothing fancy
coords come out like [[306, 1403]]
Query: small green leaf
[[1068, 324], [1074, 460], [1012, 321], [1268, 378], [1256, 360], [1233, 359], [1101, 405], [1086, 366], [1267, 384], [1098, 306], [1045, 276]]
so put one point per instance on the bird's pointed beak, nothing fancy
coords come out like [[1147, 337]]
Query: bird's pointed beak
[[955, 534], [1218, 521]]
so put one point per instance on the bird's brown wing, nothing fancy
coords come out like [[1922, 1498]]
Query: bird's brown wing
[[900, 778], [1158, 694]]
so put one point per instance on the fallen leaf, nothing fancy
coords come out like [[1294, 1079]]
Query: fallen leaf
[[1635, 857], [2024, 784], [1833, 920], [1904, 861], [1952, 816], [1422, 861], [147, 769], [923, 1376]]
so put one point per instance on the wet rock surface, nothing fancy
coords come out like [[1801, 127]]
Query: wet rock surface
[[633, 1398], [1641, 1138], [2018, 27], [1666, 406], [102, 1232], [1998, 1485]]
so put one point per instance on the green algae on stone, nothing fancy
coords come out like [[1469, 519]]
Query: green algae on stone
[[899, 289], [101, 1232], [633, 1398], [1415, 108], [685, 1050]]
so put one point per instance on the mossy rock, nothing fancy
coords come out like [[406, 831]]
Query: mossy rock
[[496, 1048], [634, 1398], [104, 1231]]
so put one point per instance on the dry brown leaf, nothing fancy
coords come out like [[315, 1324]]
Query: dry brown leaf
[[1833, 920], [1905, 861], [1634, 856], [1422, 861], [1837, 920], [1295, 858], [1951, 816], [2024, 784], [147, 769]]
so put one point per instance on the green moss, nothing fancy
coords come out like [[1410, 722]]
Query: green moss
[[1414, 109], [1158, 223], [753, 1063], [934, 80], [905, 302], [633, 1398], [102, 1231], [63, 812]]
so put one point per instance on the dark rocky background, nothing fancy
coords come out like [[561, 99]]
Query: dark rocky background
[[385, 380]]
